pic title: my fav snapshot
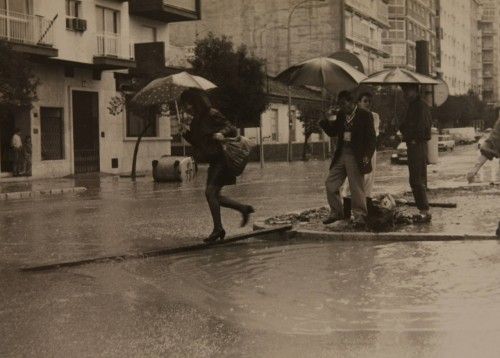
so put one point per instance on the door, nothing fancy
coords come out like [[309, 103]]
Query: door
[[7, 126], [86, 131]]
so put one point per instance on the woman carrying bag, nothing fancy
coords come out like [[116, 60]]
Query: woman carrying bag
[[208, 130]]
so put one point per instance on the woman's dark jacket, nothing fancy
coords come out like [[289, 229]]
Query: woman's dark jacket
[[416, 127], [363, 138], [202, 128]]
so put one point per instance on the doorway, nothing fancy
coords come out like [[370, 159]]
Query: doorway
[[86, 131], [7, 126]]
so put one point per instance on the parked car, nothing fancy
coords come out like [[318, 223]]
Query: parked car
[[401, 155], [446, 142], [464, 135]]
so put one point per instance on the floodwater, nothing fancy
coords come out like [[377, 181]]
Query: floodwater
[[269, 299], [251, 299]]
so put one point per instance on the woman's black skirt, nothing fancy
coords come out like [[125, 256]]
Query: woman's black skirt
[[219, 174]]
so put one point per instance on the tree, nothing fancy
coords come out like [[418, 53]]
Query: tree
[[240, 79], [123, 101], [18, 83], [461, 111], [309, 115]]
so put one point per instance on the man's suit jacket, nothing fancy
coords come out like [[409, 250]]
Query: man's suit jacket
[[363, 138]]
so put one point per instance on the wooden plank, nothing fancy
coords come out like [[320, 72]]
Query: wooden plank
[[160, 252]]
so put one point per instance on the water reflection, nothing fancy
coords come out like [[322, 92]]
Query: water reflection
[[320, 288]]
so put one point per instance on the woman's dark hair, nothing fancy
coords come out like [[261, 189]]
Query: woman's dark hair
[[364, 94], [198, 99]]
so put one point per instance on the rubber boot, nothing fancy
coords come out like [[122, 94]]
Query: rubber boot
[[347, 208]]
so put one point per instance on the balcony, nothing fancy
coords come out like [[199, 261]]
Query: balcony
[[166, 10], [27, 33], [375, 11], [109, 52]]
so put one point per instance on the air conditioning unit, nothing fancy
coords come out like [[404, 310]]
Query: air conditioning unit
[[79, 24]]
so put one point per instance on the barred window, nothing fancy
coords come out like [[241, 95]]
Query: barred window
[[136, 124], [52, 133]]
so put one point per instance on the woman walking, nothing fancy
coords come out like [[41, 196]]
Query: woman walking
[[206, 133]]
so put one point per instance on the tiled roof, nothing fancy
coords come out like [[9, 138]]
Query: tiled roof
[[279, 89]]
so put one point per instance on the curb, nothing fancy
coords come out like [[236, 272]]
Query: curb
[[40, 193], [372, 236]]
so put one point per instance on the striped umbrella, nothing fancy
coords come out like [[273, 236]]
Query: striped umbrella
[[169, 88], [398, 76]]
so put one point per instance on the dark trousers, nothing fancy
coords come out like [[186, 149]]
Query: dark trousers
[[417, 166], [17, 161]]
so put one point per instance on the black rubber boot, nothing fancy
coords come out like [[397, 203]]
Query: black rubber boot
[[347, 208]]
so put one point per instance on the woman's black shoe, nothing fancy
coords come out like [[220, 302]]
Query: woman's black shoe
[[215, 235], [246, 214]]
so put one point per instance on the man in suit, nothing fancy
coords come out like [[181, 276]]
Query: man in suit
[[352, 159]]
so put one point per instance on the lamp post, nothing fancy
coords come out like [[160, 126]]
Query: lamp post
[[289, 60]]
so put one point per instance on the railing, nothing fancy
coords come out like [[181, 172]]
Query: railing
[[189, 5], [108, 44], [25, 28], [376, 9]]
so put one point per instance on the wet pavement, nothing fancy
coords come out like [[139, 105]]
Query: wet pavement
[[256, 298]]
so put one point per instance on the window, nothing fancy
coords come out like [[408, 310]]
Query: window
[[274, 125], [108, 20], [52, 134], [136, 124], [73, 8], [20, 6]]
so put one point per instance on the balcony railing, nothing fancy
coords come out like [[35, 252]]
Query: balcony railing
[[108, 44], [25, 28]]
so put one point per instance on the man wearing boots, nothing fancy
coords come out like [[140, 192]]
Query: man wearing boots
[[352, 159]]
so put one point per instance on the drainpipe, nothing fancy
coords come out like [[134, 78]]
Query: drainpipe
[[342, 24]]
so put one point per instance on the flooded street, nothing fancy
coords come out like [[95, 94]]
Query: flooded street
[[253, 299]]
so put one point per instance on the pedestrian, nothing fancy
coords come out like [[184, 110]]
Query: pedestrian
[[364, 102], [416, 131], [27, 152], [17, 151], [356, 142], [206, 133], [489, 149]]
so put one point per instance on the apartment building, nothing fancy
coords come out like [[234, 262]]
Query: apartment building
[[410, 21], [75, 47], [317, 28], [459, 45], [490, 26]]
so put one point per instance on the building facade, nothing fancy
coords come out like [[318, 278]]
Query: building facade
[[75, 47], [410, 21], [490, 27], [457, 30], [316, 29]]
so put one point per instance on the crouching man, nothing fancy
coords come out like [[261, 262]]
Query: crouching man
[[352, 159]]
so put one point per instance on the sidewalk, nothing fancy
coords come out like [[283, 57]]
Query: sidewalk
[[26, 187]]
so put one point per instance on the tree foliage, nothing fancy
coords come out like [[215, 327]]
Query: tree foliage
[[240, 79], [461, 111], [18, 83], [310, 113]]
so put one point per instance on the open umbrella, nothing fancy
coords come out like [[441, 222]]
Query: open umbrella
[[399, 76], [328, 73], [169, 88]]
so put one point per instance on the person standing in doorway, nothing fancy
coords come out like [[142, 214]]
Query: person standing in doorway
[[17, 150], [207, 131], [352, 159], [416, 131], [364, 102]]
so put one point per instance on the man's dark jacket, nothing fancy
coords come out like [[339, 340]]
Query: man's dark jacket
[[416, 127], [363, 138]]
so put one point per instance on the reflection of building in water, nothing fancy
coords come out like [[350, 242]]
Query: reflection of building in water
[[317, 29], [76, 57]]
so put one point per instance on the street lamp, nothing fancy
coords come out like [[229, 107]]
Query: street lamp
[[289, 55]]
